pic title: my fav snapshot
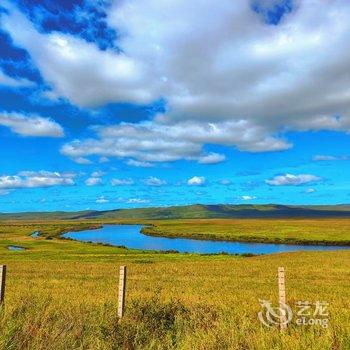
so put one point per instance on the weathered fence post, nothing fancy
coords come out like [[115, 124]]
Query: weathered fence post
[[282, 298], [2, 283], [121, 293]]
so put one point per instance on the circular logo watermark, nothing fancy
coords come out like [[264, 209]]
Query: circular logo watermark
[[274, 316], [308, 314]]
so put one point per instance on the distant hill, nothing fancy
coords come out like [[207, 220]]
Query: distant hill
[[191, 212]]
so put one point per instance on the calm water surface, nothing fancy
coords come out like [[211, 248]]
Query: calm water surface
[[131, 237], [15, 248], [35, 234]]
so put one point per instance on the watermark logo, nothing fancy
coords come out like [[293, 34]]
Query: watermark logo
[[310, 314], [306, 314], [274, 316]]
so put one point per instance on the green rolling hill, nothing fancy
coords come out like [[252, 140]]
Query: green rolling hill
[[191, 212]]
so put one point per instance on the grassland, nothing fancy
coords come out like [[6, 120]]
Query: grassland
[[290, 231], [62, 294]]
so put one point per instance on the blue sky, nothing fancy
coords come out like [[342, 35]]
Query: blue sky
[[109, 104]]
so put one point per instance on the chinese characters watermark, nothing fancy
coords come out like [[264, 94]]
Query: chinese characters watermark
[[306, 314]]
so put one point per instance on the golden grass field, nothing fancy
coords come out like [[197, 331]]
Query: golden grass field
[[62, 294], [306, 231]]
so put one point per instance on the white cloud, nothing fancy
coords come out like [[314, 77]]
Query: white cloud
[[225, 74], [132, 200], [196, 181], [102, 200], [310, 190], [97, 173], [32, 179], [225, 182], [95, 178], [136, 163], [93, 181], [247, 198], [154, 181], [103, 160], [81, 160], [221, 61], [77, 69], [14, 82], [137, 200], [122, 182], [292, 180], [31, 125], [152, 142], [321, 157], [211, 158]]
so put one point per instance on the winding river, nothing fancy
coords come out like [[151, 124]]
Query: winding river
[[130, 236]]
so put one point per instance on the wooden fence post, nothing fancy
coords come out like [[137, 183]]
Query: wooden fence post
[[121, 293], [282, 298], [2, 283]]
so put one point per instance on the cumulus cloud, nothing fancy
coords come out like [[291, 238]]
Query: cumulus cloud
[[77, 69], [82, 160], [222, 61], [122, 182], [152, 142], [135, 163], [247, 198], [32, 179], [137, 201], [211, 158], [97, 173], [93, 181], [132, 200], [31, 125], [292, 180], [196, 181], [14, 82], [228, 77], [154, 181], [102, 200]]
